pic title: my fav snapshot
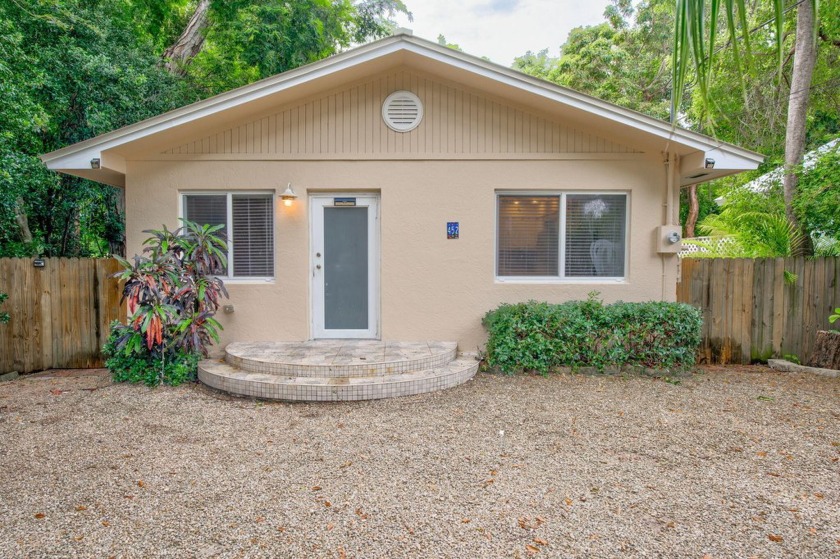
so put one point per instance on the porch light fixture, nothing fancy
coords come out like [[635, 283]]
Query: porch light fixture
[[710, 163], [288, 196], [95, 163]]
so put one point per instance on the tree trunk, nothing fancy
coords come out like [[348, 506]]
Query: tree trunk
[[826, 354], [22, 220], [693, 211], [804, 59], [189, 43]]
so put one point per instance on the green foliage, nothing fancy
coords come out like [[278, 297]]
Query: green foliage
[[247, 41], [69, 70], [172, 297], [133, 362], [624, 61], [755, 224], [834, 317], [539, 336], [73, 69], [4, 316]]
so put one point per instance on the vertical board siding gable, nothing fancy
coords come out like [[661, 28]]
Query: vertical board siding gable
[[349, 122]]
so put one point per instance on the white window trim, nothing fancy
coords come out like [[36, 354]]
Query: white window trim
[[233, 280], [561, 277]]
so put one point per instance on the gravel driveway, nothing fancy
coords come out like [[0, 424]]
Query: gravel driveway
[[732, 462]]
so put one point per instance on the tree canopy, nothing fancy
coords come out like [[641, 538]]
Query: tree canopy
[[73, 69]]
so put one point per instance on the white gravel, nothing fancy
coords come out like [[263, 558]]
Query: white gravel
[[738, 462]]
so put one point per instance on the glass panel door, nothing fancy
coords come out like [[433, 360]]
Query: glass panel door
[[345, 266]]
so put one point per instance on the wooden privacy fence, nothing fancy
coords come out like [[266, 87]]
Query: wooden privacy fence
[[753, 310], [59, 313]]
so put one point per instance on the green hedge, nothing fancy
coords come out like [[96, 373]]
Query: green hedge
[[538, 336]]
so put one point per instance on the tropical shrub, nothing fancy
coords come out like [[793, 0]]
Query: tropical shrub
[[539, 336], [172, 293]]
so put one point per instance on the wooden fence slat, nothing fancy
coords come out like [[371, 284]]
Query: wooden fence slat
[[750, 312]]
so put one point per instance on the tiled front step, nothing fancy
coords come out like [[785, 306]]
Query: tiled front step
[[339, 358], [223, 376]]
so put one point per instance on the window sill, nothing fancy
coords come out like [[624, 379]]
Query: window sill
[[247, 281], [563, 281]]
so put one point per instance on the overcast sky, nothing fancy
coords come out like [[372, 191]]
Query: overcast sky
[[502, 29]]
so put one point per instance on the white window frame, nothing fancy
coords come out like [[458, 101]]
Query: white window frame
[[271, 194], [561, 277]]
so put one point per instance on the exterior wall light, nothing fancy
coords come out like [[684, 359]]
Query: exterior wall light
[[288, 196], [710, 163], [95, 163]]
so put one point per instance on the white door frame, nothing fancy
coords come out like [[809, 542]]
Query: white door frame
[[317, 203]]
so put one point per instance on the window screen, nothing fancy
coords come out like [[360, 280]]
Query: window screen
[[528, 235], [595, 226], [253, 236], [251, 244], [206, 209], [529, 239]]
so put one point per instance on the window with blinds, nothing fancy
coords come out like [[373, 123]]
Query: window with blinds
[[528, 238], [535, 240], [248, 221], [253, 236]]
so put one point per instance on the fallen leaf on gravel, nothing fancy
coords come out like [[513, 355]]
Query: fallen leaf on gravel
[[774, 474], [794, 510], [141, 483], [80, 508], [330, 526], [281, 528], [106, 523], [465, 520], [540, 541], [56, 391], [493, 472], [568, 502], [764, 399], [78, 538], [260, 519], [539, 520], [341, 553], [775, 538], [346, 464], [327, 504], [128, 496], [316, 488], [40, 515], [819, 495], [813, 531], [523, 522], [361, 514], [532, 549], [761, 454], [488, 482]]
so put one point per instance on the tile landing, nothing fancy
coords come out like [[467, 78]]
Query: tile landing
[[337, 370]]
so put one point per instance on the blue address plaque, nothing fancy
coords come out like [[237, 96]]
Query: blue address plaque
[[452, 229]]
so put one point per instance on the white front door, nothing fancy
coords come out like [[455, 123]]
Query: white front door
[[345, 265]]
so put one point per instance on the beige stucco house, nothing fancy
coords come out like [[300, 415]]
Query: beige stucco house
[[430, 186]]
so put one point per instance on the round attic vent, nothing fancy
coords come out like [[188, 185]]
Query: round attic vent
[[402, 111]]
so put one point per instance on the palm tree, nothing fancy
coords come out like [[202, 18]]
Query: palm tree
[[694, 49]]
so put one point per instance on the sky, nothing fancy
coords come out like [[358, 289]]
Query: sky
[[502, 29]]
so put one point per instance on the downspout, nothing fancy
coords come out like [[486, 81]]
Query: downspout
[[671, 212]]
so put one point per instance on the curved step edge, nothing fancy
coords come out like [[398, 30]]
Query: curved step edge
[[222, 376]]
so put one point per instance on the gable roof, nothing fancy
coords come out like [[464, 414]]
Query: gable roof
[[651, 134]]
